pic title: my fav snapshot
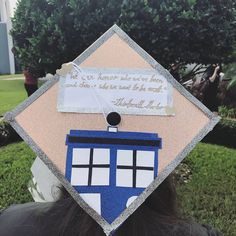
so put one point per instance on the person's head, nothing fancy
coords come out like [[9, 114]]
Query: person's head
[[210, 71], [157, 212], [26, 72]]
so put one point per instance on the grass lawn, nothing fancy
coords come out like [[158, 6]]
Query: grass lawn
[[12, 92], [209, 196], [15, 162], [10, 76]]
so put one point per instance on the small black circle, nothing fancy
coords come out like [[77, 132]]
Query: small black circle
[[113, 118]]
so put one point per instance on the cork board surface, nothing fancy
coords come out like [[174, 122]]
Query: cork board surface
[[48, 128]]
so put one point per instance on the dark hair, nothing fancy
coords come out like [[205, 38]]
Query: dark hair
[[157, 213], [210, 70]]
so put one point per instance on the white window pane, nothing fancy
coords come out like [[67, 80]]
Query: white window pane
[[81, 156], [124, 178], [93, 200], [130, 200], [144, 178], [125, 157], [101, 156], [145, 158], [100, 176], [79, 176]]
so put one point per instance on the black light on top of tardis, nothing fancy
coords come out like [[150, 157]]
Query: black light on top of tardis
[[111, 169], [113, 118]]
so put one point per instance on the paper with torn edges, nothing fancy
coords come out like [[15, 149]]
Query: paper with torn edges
[[94, 90]]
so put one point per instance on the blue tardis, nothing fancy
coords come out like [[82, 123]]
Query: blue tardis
[[110, 169]]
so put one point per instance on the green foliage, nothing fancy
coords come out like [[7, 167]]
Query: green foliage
[[224, 133], [226, 112], [232, 84], [210, 195], [230, 70], [49, 33], [186, 32], [230, 73], [15, 163]]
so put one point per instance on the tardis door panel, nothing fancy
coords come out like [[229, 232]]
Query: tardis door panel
[[110, 176], [113, 181]]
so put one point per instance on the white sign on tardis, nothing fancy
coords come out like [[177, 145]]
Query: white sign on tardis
[[111, 169]]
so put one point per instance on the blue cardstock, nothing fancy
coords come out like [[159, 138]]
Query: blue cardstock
[[113, 198]]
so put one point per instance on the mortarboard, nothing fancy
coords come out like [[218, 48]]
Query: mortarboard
[[111, 126]]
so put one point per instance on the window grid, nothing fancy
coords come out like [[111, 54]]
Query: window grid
[[134, 168], [90, 166]]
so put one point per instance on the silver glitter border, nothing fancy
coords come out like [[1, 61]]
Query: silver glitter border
[[109, 228]]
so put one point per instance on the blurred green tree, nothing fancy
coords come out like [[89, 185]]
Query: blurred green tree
[[48, 33]]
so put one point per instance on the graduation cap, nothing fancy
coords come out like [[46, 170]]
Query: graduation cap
[[153, 123]]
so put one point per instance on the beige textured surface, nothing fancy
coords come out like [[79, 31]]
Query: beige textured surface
[[48, 128], [115, 54]]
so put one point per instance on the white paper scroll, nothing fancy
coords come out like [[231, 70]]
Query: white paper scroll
[[136, 91]]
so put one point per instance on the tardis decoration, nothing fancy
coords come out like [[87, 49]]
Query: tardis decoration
[[111, 169]]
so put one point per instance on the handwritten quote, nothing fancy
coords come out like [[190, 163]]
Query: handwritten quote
[[129, 92]]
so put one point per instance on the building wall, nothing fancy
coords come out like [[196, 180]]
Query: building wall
[[7, 62], [7, 8], [4, 52]]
